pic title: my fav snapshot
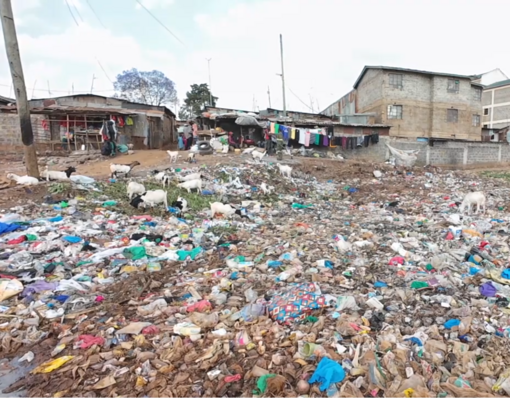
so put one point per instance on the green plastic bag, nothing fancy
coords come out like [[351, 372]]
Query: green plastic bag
[[419, 285], [183, 254], [135, 253], [300, 206]]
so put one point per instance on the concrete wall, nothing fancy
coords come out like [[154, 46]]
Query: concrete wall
[[497, 102], [447, 153], [370, 94], [10, 136]]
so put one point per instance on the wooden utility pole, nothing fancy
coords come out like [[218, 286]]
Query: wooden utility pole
[[20, 90]]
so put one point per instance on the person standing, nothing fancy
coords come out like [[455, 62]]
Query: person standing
[[180, 141], [194, 128]]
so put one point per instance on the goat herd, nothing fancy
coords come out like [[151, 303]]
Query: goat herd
[[140, 197]]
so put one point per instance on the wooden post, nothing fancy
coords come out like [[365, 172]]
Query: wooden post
[[18, 81], [67, 135]]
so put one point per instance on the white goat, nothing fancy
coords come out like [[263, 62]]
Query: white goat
[[23, 180], [284, 170], [247, 151], [57, 175], [266, 188], [189, 177], [134, 188], [122, 168], [150, 198], [173, 156], [191, 157], [257, 155], [220, 208], [472, 198], [163, 178], [192, 184]]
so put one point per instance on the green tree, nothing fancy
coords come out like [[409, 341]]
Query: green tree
[[196, 99]]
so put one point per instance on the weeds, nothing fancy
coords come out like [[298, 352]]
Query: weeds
[[496, 174], [117, 192]]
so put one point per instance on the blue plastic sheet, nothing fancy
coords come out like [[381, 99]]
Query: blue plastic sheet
[[71, 239], [328, 372], [6, 228]]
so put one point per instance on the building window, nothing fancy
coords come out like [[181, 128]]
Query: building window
[[394, 111], [396, 80], [486, 111], [452, 115], [477, 94], [453, 86], [476, 120]]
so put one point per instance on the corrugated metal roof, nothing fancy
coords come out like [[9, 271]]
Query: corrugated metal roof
[[502, 83], [422, 72], [73, 109]]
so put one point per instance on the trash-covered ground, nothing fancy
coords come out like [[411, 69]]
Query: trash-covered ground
[[351, 279]]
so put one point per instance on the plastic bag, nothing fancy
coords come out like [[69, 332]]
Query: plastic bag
[[9, 288], [52, 365]]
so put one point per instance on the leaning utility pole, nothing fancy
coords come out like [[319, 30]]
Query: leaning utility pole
[[283, 78], [210, 88], [279, 138], [20, 90]]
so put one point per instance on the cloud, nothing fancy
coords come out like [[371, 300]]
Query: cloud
[[22, 11], [327, 43], [151, 4], [74, 58]]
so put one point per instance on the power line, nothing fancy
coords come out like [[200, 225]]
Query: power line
[[78, 12], [161, 23], [61, 91], [71, 12], [106, 74], [300, 100], [94, 12]]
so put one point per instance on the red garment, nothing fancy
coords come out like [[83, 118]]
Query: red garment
[[150, 330], [201, 306], [231, 379], [17, 241], [121, 121], [87, 340], [397, 260]]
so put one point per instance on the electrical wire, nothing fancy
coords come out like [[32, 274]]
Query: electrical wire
[[300, 100], [78, 25], [161, 23], [95, 13], [106, 74], [62, 91], [71, 12], [78, 12]]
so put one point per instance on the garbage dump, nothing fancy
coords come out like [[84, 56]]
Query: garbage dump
[[337, 282]]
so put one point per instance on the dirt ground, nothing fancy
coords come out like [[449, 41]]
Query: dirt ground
[[321, 168]]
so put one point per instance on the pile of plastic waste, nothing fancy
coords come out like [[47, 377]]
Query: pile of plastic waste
[[340, 282]]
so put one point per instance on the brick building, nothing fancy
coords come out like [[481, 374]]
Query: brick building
[[416, 103]]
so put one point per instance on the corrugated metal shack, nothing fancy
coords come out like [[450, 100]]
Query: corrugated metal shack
[[144, 126]]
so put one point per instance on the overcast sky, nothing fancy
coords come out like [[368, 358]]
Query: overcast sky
[[326, 44]]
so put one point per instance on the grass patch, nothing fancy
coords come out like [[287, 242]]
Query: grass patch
[[117, 191], [496, 174]]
